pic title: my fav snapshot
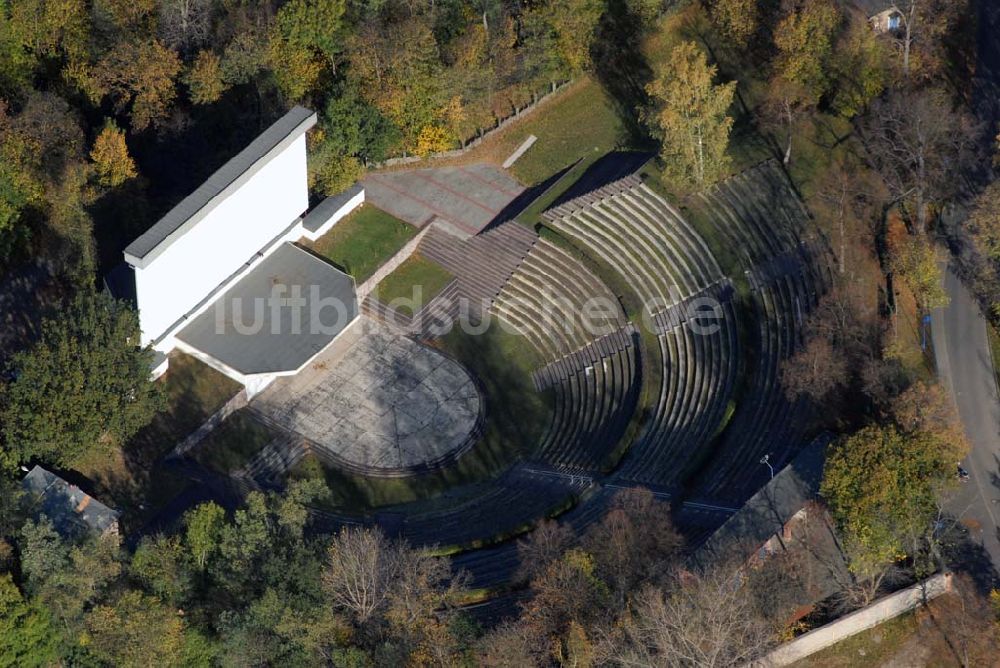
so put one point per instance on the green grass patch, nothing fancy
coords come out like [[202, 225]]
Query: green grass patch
[[516, 418], [415, 272], [233, 443], [580, 122], [363, 241], [994, 337]]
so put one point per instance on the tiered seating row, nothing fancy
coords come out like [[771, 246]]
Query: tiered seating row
[[510, 505], [700, 371], [592, 353], [483, 263], [550, 299], [636, 231], [767, 423], [592, 409], [786, 260]]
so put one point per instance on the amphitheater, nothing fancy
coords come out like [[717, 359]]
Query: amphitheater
[[646, 393]]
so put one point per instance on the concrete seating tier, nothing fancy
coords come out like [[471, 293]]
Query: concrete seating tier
[[510, 505], [483, 263], [699, 377], [593, 407], [765, 423], [550, 299], [787, 262], [638, 232]]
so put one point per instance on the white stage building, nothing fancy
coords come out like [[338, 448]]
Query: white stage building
[[220, 276]]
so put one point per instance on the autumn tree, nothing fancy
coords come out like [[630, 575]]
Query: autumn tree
[[704, 619], [913, 260], [164, 567], [362, 566], [204, 78], [541, 547], [139, 76], [984, 222], [634, 543], [84, 388], [27, 635], [203, 531], [572, 25], [927, 407], [568, 591], [917, 142], [313, 24], [814, 370], [737, 20], [860, 64], [920, 38], [111, 158], [804, 40], [692, 116], [135, 631], [64, 577], [185, 24], [881, 486]]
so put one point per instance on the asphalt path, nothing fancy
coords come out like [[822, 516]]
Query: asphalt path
[[962, 350]]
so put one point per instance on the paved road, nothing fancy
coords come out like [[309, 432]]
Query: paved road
[[962, 350]]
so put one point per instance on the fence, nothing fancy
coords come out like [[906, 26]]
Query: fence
[[861, 620], [482, 136]]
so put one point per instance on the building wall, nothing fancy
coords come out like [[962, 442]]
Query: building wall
[[222, 242]]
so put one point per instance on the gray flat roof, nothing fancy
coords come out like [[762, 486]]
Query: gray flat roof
[[325, 209], [250, 331], [224, 181], [70, 508]]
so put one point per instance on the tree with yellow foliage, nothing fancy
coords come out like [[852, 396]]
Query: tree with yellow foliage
[[881, 485], [110, 155], [139, 76], [804, 39], [204, 78], [737, 20], [692, 116]]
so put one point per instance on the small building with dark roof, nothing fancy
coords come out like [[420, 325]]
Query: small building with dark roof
[[785, 518], [72, 511], [883, 15]]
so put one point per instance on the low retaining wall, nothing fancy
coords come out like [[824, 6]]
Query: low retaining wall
[[391, 264], [861, 620], [199, 434]]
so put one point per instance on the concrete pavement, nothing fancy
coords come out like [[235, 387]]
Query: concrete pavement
[[962, 350]]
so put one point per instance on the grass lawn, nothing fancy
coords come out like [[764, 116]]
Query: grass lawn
[[516, 419], [194, 391], [363, 241], [233, 443], [415, 272], [579, 121]]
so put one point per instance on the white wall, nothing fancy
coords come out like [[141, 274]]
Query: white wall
[[860, 620], [227, 238]]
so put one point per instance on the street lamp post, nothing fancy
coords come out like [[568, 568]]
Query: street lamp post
[[766, 459]]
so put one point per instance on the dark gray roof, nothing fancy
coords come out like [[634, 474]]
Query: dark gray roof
[[281, 343], [224, 181], [767, 511], [325, 209], [873, 7], [71, 510]]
